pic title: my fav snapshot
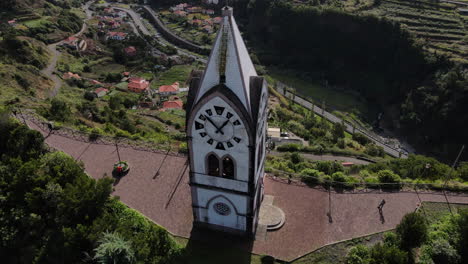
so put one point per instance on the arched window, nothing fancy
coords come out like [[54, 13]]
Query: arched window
[[213, 165], [228, 168]]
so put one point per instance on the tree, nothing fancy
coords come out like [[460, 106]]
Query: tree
[[296, 158], [385, 254], [412, 231], [113, 249], [388, 176], [442, 252], [361, 139], [462, 223], [338, 131], [463, 170], [59, 110], [358, 255]]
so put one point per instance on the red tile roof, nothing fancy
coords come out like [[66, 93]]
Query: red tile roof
[[130, 50], [138, 84], [98, 90], [169, 88], [120, 34], [173, 104]]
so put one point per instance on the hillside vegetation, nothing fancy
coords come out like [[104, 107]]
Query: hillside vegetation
[[438, 25], [421, 92]]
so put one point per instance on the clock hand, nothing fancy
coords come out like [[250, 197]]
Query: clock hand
[[211, 121], [221, 127]]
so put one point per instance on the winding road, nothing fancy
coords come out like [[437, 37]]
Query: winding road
[[51, 67]]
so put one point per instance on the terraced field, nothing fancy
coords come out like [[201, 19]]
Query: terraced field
[[439, 26]]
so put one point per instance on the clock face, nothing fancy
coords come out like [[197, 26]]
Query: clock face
[[217, 126]]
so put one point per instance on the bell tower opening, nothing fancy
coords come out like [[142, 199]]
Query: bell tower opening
[[213, 165], [228, 168]]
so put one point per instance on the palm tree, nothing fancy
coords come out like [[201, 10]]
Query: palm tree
[[114, 249]]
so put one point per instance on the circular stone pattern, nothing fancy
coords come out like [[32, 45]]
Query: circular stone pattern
[[271, 216]]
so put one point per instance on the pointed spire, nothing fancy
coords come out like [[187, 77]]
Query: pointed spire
[[229, 62]]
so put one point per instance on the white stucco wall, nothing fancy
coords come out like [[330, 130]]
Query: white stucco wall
[[239, 152], [237, 203]]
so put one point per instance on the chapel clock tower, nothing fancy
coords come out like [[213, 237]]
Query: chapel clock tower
[[226, 129]]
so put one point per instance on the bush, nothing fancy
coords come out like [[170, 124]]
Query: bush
[[310, 176], [412, 231], [462, 223], [340, 179], [328, 167], [358, 255], [289, 147], [387, 176], [463, 171], [59, 110], [94, 134], [267, 260], [374, 150], [89, 96], [326, 181], [296, 158], [361, 139], [372, 182], [382, 253], [441, 251], [341, 143]]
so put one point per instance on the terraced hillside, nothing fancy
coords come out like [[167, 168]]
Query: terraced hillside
[[438, 25]]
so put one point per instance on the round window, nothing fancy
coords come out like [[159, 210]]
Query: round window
[[222, 208]]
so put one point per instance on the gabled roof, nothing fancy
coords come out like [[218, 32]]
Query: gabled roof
[[173, 104], [169, 88], [229, 58]]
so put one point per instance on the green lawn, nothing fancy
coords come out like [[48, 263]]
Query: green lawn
[[178, 73], [36, 22], [317, 92]]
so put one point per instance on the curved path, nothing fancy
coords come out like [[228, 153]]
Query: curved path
[[164, 197], [51, 68]]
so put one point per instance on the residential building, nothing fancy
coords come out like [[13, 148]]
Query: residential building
[[195, 9], [130, 51], [116, 35], [138, 85], [166, 90], [100, 92], [209, 11], [217, 20], [121, 14], [70, 42], [208, 29], [70, 75], [180, 13], [176, 104]]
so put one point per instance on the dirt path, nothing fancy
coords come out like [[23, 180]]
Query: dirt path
[[51, 68]]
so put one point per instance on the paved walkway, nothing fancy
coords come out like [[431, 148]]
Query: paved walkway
[[165, 199]]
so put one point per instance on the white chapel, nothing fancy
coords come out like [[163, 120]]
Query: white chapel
[[226, 124]]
